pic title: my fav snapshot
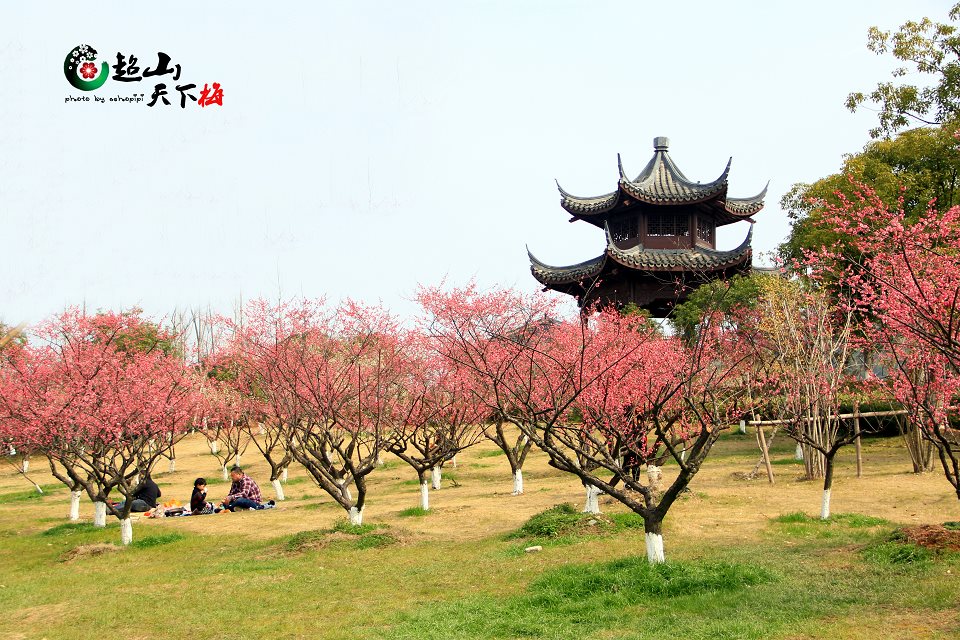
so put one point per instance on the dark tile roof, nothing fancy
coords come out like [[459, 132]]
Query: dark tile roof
[[698, 259], [653, 260], [662, 182], [547, 274]]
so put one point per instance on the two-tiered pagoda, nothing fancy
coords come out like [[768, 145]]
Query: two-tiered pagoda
[[661, 231]]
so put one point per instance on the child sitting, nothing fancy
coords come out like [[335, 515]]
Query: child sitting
[[198, 500]]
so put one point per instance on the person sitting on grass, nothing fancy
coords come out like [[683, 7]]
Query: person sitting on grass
[[244, 492], [145, 499], [198, 501]]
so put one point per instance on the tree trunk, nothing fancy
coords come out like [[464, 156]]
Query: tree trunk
[[236, 459], [798, 453], [593, 499], [126, 531], [214, 446], [173, 465], [284, 475], [99, 514], [278, 489], [453, 461], [25, 467], [517, 482], [654, 535], [75, 505], [827, 484], [435, 477], [355, 515], [226, 473], [425, 496]]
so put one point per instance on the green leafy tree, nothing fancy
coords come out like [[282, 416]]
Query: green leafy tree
[[929, 48], [920, 166], [739, 292]]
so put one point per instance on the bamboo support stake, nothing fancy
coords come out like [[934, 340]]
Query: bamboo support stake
[[766, 454], [856, 441]]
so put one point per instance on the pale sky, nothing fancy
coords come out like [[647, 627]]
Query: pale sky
[[363, 148]]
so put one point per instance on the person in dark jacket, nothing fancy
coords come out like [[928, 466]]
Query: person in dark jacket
[[145, 498], [198, 501]]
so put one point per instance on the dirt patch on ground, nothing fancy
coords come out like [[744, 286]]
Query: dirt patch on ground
[[933, 536], [88, 551]]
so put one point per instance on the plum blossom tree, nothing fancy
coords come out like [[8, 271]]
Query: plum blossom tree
[[98, 409], [807, 344], [905, 283], [341, 372], [641, 395], [440, 414]]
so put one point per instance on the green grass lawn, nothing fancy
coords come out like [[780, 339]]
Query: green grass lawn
[[793, 577]]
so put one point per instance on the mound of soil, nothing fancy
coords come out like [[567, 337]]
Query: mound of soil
[[933, 536], [88, 550]]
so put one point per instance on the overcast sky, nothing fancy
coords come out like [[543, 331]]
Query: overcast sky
[[363, 148]]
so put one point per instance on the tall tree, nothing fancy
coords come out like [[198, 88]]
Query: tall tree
[[931, 49]]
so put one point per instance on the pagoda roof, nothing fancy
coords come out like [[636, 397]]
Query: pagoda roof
[[662, 183], [647, 260]]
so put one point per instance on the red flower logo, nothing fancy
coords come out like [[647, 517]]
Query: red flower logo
[[88, 70]]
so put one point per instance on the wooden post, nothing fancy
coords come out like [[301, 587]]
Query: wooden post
[[856, 441], [762, 440]]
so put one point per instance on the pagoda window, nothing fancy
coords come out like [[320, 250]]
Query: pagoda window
[[666, 224], [624, 229], [705, 230]]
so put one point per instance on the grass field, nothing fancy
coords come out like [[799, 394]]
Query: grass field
[[745, 559]]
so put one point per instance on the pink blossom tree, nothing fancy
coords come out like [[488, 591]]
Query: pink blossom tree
[[905, 280], [439, 414], [641, 395], [100, 410], [340, 372]]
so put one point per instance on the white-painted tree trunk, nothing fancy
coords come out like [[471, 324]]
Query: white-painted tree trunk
[[654, 476], [13, 450], [517, 482], [214, 446], [126, 531], [798, 454], [379, 460], [99, 514], [425, 496], [75, 505], [263, 430], [825, 505], [173, 465], [226, 473], [236, 459], [136, 479], [284, 475], [593, 499], [453, 461], [356, 516], [683, 455], [743, 426], [655, 548], [435, 477], [26, 465], [278, 489]]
